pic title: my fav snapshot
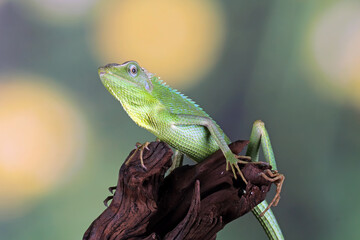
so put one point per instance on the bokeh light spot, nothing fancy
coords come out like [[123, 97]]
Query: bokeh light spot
[[42, 139], [335, 50], [179, 40]]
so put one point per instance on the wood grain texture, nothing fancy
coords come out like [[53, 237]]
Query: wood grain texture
[[193, 202]]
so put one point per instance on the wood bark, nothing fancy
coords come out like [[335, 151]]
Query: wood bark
[[193, 202]]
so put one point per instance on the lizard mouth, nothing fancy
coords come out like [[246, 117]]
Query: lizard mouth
[[107, 76], [101, 71]]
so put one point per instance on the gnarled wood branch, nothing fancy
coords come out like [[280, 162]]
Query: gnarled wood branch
[[193, 202]]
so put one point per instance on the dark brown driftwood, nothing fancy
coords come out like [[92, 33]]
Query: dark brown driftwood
[[193, 202]]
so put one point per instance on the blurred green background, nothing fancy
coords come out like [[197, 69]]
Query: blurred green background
[[293, 64]]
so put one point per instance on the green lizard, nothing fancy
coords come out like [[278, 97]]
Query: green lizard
[[177, 120]]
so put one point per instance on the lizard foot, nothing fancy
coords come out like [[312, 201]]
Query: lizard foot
[[139, 147], [247, 159], [235, 167], [278, 180]]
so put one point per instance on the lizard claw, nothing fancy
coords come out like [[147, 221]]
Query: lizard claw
[[235, 168], [139, 147], [243, 159], [142, 146]]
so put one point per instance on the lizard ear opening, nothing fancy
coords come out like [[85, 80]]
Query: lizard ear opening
[[148, 85]]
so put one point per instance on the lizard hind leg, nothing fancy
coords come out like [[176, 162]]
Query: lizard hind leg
[[260, 138], [139, 147]]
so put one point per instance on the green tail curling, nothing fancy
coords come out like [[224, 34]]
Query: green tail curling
[[268, 221]]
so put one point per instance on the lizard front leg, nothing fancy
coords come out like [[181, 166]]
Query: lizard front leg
[[231, 159], [177, 160]]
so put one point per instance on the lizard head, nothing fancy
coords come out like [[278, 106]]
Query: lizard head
[[125, 80]]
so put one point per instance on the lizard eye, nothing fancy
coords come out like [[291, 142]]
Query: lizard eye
[[133, 70]]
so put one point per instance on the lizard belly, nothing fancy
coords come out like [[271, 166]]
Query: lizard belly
[[194, 141]]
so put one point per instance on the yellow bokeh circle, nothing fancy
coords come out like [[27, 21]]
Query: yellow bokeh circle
[[180, 40], [42, 138], [334, 44]]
